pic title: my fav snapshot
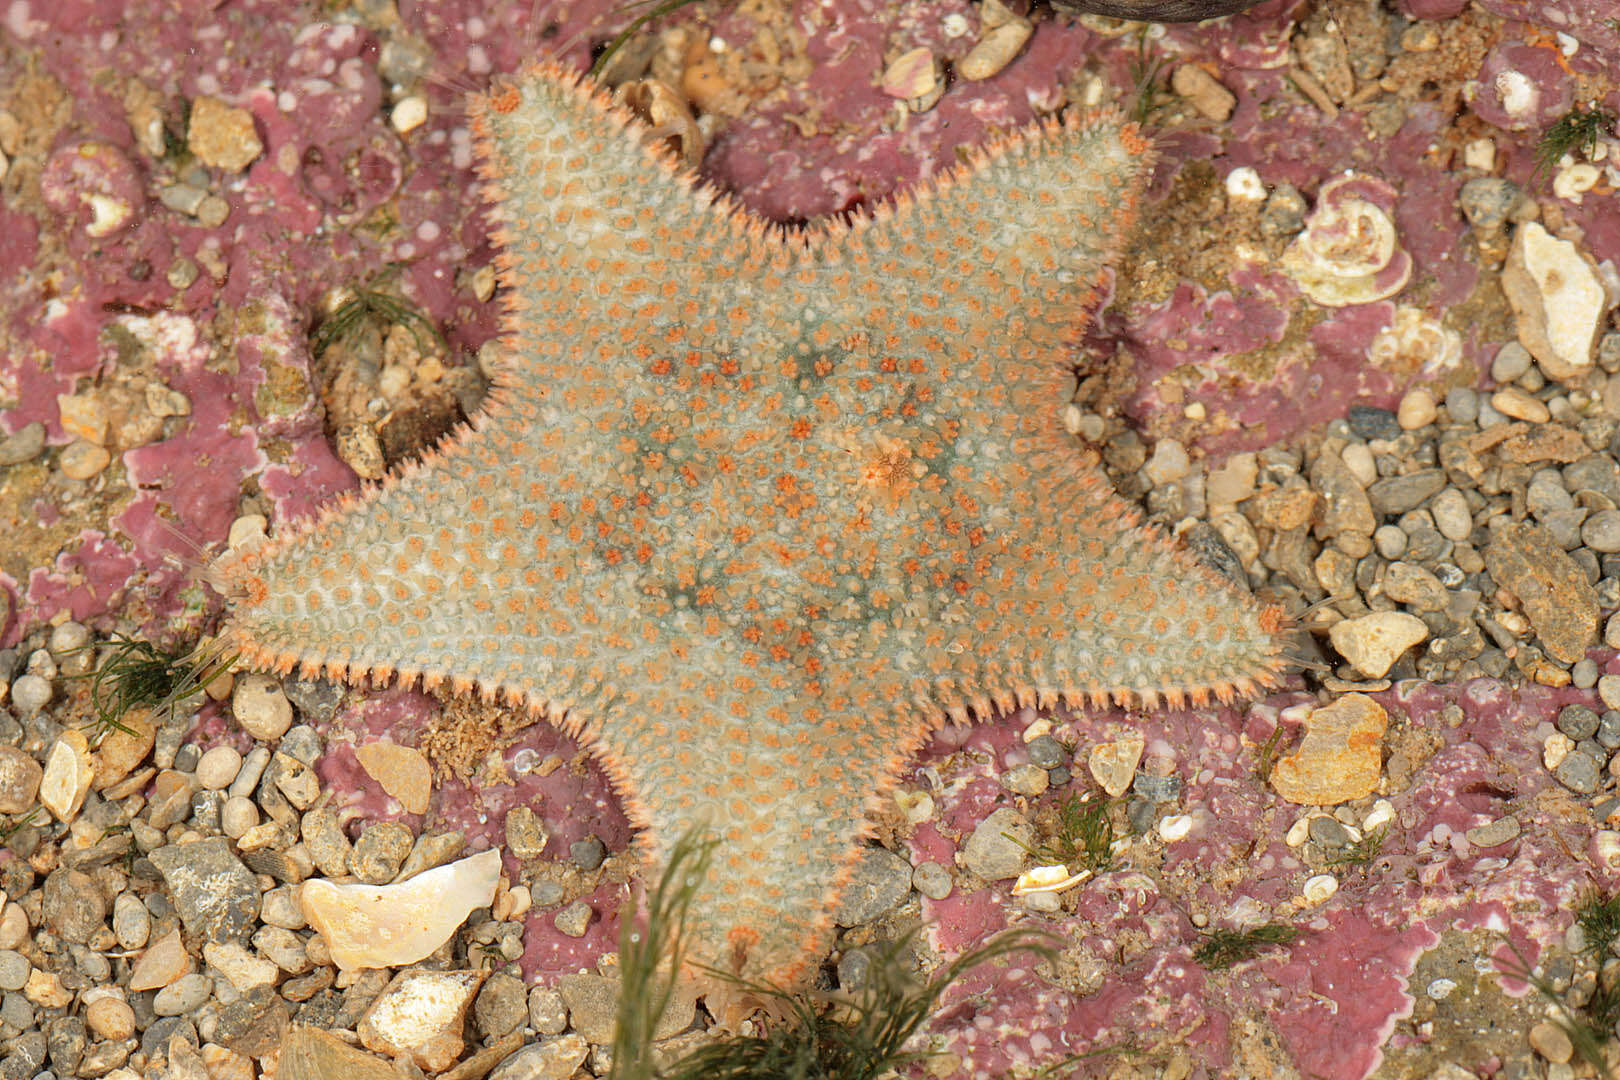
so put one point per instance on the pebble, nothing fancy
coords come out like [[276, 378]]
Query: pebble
[[1494, 833], [222, 136], [588, 853], [1340, 757], [20, 775], [1168, 464], [73, 905], [994, 851], [547, 1013], [1551, 1042], [409, 113], [1608, 688], [1204, 92], [218, 767], [1372, 643], [131, 922], [1451, 515], [185, 994], [30, 693], [995, 50], [1514, 402], [554, 1059], [14, 970], [23, 445], [1512, 360], [1417, 409], [881, 881], [216, 896], [1113, 764], [110, 1018], [1046, 752], [260, 706], [420, 1015], [380, 852], [1390, 541], [1601, 532], [1369, 422], [573, 920], [237, 816], [1396, 495], [1558, 300], [82, 459], [1552, 588], [68, 773], [1578, 722], [402, 772], [502, 1004], [161, 964], [1579, 772], [932, 880], [1028, 779]]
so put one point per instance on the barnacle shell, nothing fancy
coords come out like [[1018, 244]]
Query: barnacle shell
[[1416, 344], [1349, 252], [373, 926]]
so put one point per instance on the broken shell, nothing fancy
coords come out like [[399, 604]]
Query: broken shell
[[1416, 344], [995, 50], [913, 74], [374, 926], [1320, 888], [1055, 878], [1349, 252], [312, 1054], [1175, 827], [1381, 814], [1558, 301]]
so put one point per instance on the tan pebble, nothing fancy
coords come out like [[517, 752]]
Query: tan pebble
[[45, 990], [123, 748], [1319, 889], [1552, 1042], [357, 445], [1417, 409], [83, 416], [1372, 643], [1233, 481], [162, 401], [14, 929], [110, 1018], [163, 962], [1204, 92], [1339, 759], [1558, 299], [1514, 402], [1113, 764], [261, 707], [1556, 749], [238, 816], [67, 775], [83, 460], [247, 529], [222, 136], [401, 771], [911, 75], [218, 767], [19, 780], [995, 50]]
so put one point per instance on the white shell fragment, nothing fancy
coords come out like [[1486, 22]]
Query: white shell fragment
[[1557, 298], [375, 926], [1320, 889], [1054, 878], [68, 772], [1349, 252]]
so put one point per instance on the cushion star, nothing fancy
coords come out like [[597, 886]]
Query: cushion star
[[751, 511]]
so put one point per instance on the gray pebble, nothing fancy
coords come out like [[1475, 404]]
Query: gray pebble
[[282, 948], [1462, 403], [1490, 416], [14, 970], [1608, 732], [1603, 809], [1059, 776], [502, 1005], [1373, 423], [24, 444], [303, 743], [185, 994], [1046, 752], [991, 852], [1601, 531], [1398, 494], [186, 757], [932, 880], [1328, 832], [547, 1013], [131, 923], [1579, 772], [587, 853], [1511, 361], [1584, 675], [380, 852], [1390, 541], [854, 969], [1577, 721], [546, 893], [1141, 814], [574, 919], [1546, 497], [217, 897], [251, 772], [1451, 516], [882, 880], [1493, 833], [1486, 202], [1157, 789]]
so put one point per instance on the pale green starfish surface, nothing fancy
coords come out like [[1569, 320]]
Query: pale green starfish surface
[[752, 510]]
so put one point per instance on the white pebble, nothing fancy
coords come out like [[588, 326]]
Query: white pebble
[[1556, 749], [1359, 460], [30, 693], [218, 767], [237, 816], [260, 706], [410, 114], [1299, 832], [1175, 827], [1381, 814], [1320, 888]]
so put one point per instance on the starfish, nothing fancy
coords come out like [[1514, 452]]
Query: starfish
[[752, 511]]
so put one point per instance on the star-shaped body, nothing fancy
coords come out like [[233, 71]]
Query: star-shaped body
[[752, 511]]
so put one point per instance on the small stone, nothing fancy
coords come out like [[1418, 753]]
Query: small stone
[[1462, 403], [74, 905], [296, 780], [574, 919], [1340, 757], [1372, 643], [243, 968], [131, 922], [30, 693], [1514, 402], [185, 994], [1417, 409], [1551, 587], [222, 136], [81, 459], [1396, 495], [501, 1006], [995, 50], [1203, 92], [110, 1018], [20, 775], [1113, 764], [996, 850], [593, 1002], [402, 772], [217, 897], [525, 835], [368, 926], [1608, 732], [1558, 299], [1552, 1042], [1390, 540], [23, 445], [380, 852], [1234, 480], [357, 444], [588, 853], [421, 1014], [547, 1013], [327, 843], [911, 75], [932, 880], [1030, 780], [1451, 515], [1578, 771], [213, 211], [1578, 722], [280, 908], [282, 948], [1555, 750], [554, 1059], [218, 767], [170, 801], [1168, 464], [308, 1053], [14, 970], [1369, 422], [1601, 531], [260, 706], [66, 778], [409, 113], [237, 816], [1412, 585], [1046, 752], [1608, 688], [122, 749], [881, 881], [1495, 833], [161, 964]]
